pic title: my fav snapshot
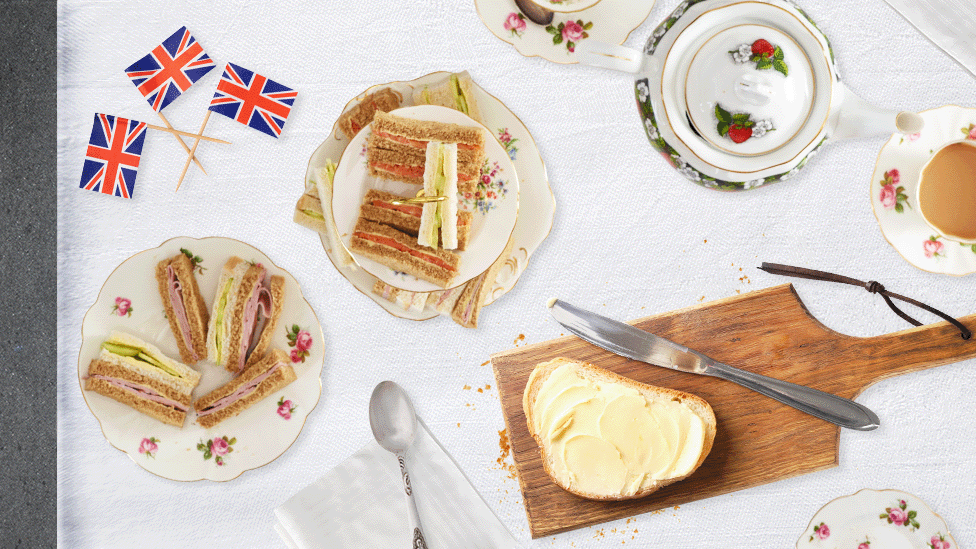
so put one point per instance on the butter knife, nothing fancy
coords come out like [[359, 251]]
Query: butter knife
[[636, 344]]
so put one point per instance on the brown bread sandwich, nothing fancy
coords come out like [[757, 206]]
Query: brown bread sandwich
[[257, 382], [139, 375], [397, 149], [246, 309], [400, 251], [185, 308], [377, 206]]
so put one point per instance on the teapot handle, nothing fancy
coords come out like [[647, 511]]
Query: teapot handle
[[608, 56]]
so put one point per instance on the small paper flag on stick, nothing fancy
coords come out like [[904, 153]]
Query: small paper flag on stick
[[252, 99], [112, 157], [168, 70]]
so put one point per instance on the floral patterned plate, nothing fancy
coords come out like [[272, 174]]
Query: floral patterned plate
[[609, 21], [493, 218], [129, 301], [537, 205], [876, 519], [893, 186]]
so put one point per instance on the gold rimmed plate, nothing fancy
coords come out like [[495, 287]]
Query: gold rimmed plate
[[491, 225], [875, 519], [536, 201], [129, 302], [609, 21]]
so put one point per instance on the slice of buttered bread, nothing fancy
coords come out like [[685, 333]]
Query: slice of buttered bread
[[607, 437]]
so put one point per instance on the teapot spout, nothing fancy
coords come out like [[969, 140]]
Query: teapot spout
[[858, 118]]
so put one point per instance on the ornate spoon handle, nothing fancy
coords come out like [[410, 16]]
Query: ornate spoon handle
[[418, 535]]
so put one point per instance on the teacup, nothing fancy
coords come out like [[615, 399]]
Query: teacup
[[946, 193], [565, 6]]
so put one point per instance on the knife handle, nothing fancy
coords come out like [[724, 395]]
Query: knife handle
[[837, 410]]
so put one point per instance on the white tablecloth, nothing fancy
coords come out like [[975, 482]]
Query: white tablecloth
[[631, 238]]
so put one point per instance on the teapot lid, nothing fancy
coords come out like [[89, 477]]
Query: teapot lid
[[746, 86], [749, 89]]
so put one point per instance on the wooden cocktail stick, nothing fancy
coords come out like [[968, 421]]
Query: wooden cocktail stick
[[194, 149], [182, 144]]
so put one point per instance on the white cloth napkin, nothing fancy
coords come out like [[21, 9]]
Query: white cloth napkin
[[361, 503], [950, 24]]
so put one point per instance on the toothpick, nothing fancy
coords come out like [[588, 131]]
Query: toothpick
[[188, 134], [182, 144], [194, 149]]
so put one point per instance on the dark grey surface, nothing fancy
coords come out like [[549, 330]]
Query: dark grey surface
[[28, 273]]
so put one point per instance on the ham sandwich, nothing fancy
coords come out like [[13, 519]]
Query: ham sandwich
[[258, 381], [246, 309], [185, 308]]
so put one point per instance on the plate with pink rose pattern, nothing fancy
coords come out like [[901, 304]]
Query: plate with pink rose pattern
[[609, 21], [537, 205], [893, 186], [876, 519], [129, 302]]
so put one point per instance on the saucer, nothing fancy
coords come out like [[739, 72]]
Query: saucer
[[129, 302], [893, 186], [877, 519], [537, 205], [489, 231], [609, 21]]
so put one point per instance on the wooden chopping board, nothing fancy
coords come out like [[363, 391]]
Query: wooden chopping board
[[759, 440]]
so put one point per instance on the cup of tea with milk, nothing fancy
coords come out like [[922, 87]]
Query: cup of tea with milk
[[946, 194]]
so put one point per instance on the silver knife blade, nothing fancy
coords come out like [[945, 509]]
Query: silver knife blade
[[636, 344], [626, 340]]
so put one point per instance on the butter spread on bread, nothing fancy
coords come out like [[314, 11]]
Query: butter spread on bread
[[604, 436]]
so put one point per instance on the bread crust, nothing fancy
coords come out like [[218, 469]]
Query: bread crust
[[284, 375], [477, 290], [588, 371], [361, 114], [310, 202], [441, 94], [196, 308]]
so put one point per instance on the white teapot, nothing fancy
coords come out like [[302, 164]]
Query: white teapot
[[737, 94]]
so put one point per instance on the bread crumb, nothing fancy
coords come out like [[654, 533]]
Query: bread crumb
[[521, 337], [467, 387], [706, 241], [506, 451], [486, 362], [480, 390], [459, 424]]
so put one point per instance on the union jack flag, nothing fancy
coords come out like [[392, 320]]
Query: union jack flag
[[112, 158], [170, 69], [253, 100]]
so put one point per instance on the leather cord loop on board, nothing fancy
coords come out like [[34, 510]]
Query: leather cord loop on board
[[872, 286]]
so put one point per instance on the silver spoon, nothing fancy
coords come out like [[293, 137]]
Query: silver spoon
[[536, 13], [394, 424]]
